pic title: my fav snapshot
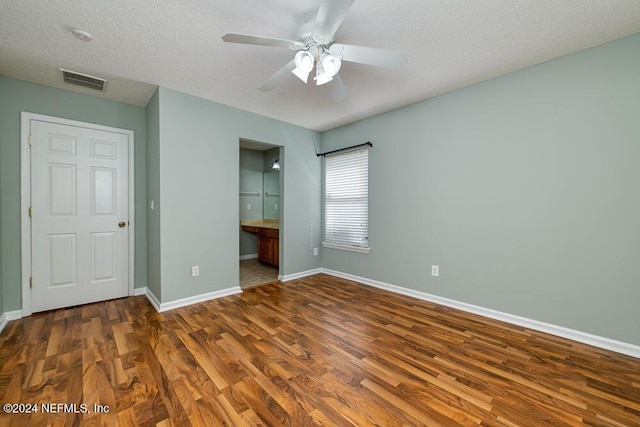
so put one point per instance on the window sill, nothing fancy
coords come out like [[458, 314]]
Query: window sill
[[346, 248]]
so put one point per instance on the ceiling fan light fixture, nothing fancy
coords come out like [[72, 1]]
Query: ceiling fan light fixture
[[302, 75], [328, 67], [330, 64], [322, 76], [304, 64]]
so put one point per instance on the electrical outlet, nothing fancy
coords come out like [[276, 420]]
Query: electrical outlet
[[315, 251], [435, 271], [248, 206], [195, 271]]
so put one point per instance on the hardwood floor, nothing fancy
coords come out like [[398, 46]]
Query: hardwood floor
[[318, 350]]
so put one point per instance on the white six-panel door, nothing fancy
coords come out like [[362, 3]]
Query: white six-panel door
[[79, 224]]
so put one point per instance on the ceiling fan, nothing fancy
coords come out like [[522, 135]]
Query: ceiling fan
[[316, 48]]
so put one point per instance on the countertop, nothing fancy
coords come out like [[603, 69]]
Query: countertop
[[273, 224]]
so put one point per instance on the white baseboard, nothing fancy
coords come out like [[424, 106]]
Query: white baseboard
[[139, 291], [183, 302], [300, 275], [246, 257], [153, 299], [8, 316], [579, 336]]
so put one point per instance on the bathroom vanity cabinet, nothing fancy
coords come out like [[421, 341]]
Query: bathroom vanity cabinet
[[268, 239], [269, 246]]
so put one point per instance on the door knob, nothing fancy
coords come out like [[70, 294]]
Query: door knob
[[122, 224]]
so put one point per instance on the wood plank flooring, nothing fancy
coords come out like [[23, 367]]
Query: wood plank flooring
[[314, 351]]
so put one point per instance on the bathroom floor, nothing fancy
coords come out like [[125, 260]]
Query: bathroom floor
[[253, 273]]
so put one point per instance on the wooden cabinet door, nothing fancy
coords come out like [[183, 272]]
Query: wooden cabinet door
[[268, 246]]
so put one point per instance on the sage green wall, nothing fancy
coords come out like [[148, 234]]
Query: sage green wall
[[1, 306], [523, 189], [154, 266], [17, 96], [271, 184], [199, 160], [251, 166]]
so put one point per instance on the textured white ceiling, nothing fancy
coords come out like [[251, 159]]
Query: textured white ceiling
[[139, 44]]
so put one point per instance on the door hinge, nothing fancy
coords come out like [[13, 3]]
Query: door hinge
[[31, 282], [30, 212], [30, 141]]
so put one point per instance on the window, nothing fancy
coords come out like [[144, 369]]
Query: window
[[346, 198]]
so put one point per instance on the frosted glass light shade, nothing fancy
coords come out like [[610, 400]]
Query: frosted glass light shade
[[323, 78], [304, 64], [330, 64]]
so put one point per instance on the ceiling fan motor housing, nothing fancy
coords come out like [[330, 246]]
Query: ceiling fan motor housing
[[306, 30]]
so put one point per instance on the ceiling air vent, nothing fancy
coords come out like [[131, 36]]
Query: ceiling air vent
[[84, 80]]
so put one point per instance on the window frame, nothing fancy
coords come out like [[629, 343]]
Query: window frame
[[342, 243]]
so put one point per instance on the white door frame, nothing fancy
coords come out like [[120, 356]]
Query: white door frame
[[25, 196]]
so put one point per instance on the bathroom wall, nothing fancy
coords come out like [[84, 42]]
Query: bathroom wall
[[271, 185], [251, 167]]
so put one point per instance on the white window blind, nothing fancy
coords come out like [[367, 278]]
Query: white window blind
[[347, 201]]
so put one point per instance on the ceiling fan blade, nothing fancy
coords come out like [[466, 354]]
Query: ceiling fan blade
[[261, 41], [370, 55], [339, 91], [280, 76], [330, 16]]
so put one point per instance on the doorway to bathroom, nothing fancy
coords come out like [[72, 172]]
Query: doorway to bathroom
[[261, 171]]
